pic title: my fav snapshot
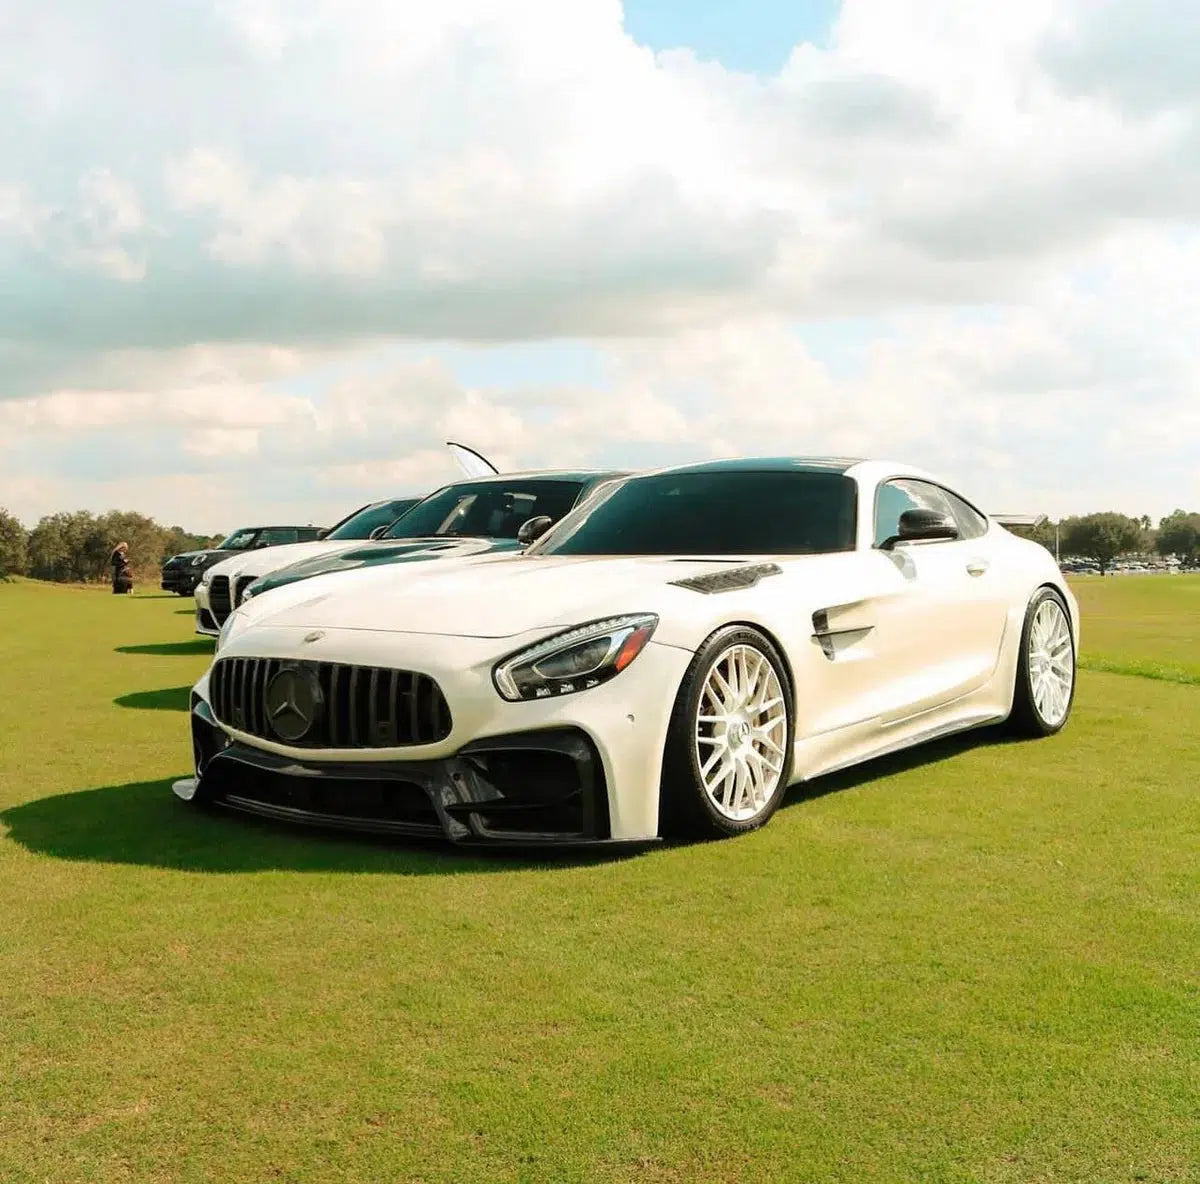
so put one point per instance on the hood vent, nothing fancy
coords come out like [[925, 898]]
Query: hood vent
[[730, 581]]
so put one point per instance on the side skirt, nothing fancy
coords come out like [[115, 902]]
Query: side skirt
[[979, 719]]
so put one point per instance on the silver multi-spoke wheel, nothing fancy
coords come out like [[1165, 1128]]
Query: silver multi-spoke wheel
[[1051, 662], [741, 733]]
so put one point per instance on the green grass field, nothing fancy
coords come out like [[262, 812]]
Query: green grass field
[[977, 962], [1148, 625]]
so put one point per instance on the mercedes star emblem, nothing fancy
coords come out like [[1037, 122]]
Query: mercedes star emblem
[[294, 703]]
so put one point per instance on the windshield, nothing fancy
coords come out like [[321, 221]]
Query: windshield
[[238, 541], [486, 509], [716, 513], [359, 525]]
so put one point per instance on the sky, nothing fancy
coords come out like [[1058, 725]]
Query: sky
[[259, 259]]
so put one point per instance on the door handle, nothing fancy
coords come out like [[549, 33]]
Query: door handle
[[976, 567]]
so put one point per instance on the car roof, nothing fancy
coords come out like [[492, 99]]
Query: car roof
[[279, 526], [549, 474], [770, 464], [862, 470]]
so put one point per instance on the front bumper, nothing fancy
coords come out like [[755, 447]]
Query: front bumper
[[532, 789], [182, 580], [558, 754]]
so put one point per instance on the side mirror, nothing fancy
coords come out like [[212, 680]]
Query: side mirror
[[379, 531], [533, 529], [922, 526], [322, 532]]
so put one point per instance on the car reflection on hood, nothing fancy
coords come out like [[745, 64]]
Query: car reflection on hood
[[379, 553]]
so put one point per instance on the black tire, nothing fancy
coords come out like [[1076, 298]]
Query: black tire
[[685, 809], [1026, 719]]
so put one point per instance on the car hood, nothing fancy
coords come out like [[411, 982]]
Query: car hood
[[373, 553], [269, 559], [188, 556], [492, 596]]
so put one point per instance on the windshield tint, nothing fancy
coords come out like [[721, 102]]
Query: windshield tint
[[360, 525], [238, 541], [716, 513], [486, 509]]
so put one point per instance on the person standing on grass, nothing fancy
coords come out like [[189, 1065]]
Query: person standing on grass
[[122, 578]]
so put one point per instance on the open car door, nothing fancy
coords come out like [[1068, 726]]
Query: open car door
[[471, 462]]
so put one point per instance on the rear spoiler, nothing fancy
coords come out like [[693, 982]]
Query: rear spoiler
[[1018, 519]]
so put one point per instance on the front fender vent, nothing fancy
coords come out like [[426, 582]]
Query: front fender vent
[[732, 580]]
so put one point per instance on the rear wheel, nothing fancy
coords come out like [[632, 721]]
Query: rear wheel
[[729, 747], [1045, 684]]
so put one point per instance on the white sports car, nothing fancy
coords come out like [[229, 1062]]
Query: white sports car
[[667, 660]]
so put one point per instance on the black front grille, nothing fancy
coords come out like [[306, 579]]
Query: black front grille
[[218, 598], [353, 707], [242, 584]]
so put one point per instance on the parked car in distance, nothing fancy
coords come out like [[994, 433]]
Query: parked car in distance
[[667, 660], [222, 584], [181, 573], [484, 515]]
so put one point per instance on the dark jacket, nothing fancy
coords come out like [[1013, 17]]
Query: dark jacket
[[122, 577]]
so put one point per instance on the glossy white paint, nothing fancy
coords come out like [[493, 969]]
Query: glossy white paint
[[262, 562], [885, 649]]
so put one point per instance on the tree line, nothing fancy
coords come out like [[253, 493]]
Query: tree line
[[1108, 536], [75, 548]]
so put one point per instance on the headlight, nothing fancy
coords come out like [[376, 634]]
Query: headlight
[[581, 658], [198, 559], [249, 591], [205, 577], [233, 623]]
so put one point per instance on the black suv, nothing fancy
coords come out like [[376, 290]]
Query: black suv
[[181, 573]]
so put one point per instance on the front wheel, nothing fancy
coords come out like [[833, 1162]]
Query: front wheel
[[729, 747], [1045, 684]]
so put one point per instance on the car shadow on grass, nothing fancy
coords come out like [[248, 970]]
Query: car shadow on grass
[[166, 699], [882, 767], [199, 645], [143, 823]]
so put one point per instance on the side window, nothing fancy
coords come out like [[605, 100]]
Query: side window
[[275, 535], [971, 523], [306, 534], [891, 500], [894, 497]]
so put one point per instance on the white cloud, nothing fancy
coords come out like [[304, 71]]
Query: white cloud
[[96, 229], [328, 226], [213, 216]]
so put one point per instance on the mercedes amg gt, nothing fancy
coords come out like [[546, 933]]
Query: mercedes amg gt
[[668, 659]]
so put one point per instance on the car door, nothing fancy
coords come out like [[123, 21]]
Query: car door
[[957, 606]]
